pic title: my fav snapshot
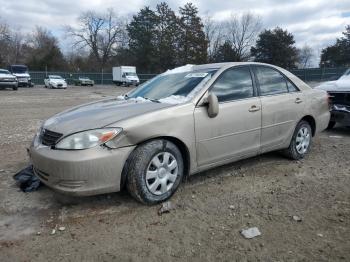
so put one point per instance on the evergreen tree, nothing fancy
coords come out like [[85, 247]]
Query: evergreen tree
[[276, 47], [339, 53], [225, 53], [192, 45], [142, 44], [167, 30]]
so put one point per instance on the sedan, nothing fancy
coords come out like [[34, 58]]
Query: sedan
[[83, 81], [179, 123], [55, 81]]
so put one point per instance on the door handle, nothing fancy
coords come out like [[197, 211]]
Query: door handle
[[254, 108], [298, 100]]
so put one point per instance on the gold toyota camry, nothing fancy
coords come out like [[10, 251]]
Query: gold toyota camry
[[181, 122]]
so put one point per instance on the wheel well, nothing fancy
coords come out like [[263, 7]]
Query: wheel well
[[182, 147], [311, 122]]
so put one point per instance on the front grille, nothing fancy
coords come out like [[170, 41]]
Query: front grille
[[7, 80], [49, 138], [342, 98]]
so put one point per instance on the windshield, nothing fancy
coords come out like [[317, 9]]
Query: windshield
[[19, 69], [130, 74], [4, 72], [84, 78], [55, 77], [173, 84]]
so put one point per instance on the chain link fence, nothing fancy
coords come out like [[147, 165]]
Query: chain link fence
[[99, 78], [308, 75]]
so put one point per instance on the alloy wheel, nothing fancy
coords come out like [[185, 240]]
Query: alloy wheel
[[303, 140]]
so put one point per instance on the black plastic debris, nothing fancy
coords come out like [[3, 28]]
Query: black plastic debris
[[26, 179]]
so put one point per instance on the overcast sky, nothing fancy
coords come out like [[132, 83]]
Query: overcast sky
[[314, 22]]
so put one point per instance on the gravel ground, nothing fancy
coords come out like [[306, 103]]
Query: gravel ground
[[210, 208]]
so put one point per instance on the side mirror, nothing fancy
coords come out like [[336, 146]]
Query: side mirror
[[213, 105]]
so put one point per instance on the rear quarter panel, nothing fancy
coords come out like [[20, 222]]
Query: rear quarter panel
[[317, 106]]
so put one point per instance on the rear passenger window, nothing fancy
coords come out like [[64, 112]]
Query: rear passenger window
[[271, 82], [234, 84]]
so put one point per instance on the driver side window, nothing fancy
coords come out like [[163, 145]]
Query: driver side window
[[234, 84]]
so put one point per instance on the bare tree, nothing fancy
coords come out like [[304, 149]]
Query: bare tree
[[214, 34], [305, 55], [242, 31], [5, 37], [17, 46], [102, 34]]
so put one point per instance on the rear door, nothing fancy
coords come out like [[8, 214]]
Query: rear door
[[235, 131], [282, 106]]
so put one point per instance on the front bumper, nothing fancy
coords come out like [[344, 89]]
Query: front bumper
[[8, 84], [80, 172], [342, 117], [60, 85], [340, 113], [24, 81]]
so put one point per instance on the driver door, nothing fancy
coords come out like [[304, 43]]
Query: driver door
[[235, 132]]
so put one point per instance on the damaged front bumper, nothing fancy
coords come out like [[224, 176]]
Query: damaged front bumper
[[340, 114], [80, 172]]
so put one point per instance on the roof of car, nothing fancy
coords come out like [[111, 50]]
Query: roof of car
[[227, 64]]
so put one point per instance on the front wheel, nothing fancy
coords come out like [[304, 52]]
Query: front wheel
[[155, 171], [301, 141]]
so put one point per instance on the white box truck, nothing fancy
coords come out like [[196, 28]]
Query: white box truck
[[125, 75]]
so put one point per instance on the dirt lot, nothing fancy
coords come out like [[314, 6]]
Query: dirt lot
[[211, 207]]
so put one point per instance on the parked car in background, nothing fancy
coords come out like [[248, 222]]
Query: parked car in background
[[7, 80], [181, 122], [339, 94], [22, 74], [55, 81], [125, 75], [83, 81]]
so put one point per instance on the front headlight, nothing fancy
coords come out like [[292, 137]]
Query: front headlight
[[88, 139]]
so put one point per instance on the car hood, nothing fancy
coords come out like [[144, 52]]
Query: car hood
[[58, 81], [99, 114], [2, 76], [342, 84], [21, 74]]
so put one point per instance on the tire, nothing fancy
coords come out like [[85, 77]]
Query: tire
[[331, 124], [150, 181], [297, 150], [15, 88]]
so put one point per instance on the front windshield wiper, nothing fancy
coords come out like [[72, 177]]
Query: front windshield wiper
[[153, 100]]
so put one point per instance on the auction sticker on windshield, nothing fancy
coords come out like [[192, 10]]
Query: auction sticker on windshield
[[201, 75]]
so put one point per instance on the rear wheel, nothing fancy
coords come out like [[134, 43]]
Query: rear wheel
[[301, 141], [155, 171]]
